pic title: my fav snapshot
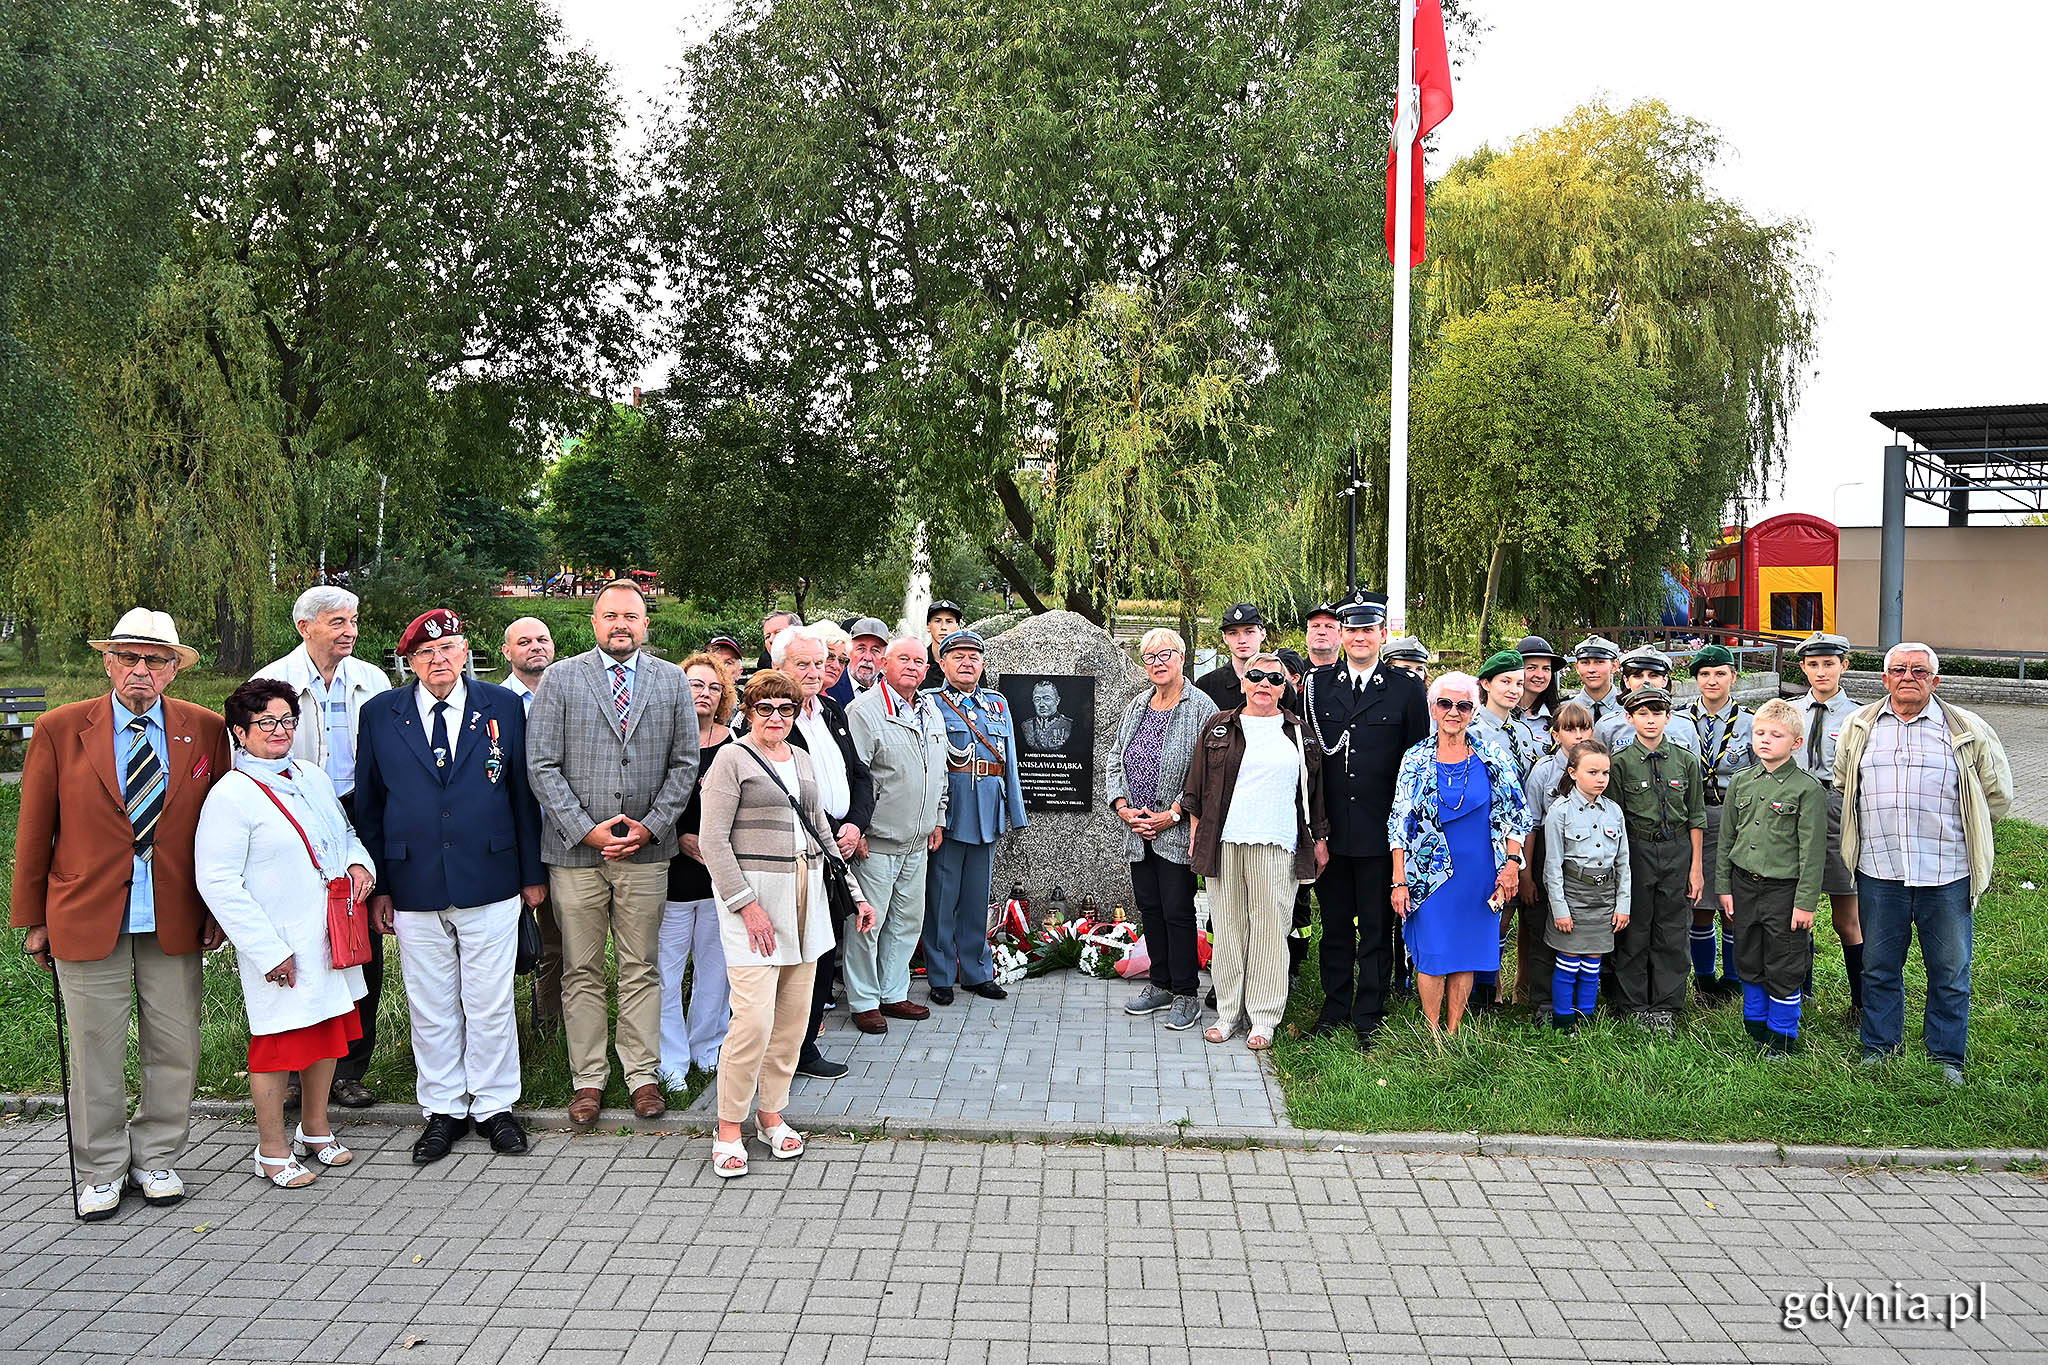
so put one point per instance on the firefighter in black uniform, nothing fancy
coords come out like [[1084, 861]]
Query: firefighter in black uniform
[[1365, 715]]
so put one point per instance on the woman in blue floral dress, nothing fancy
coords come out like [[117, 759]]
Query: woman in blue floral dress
[[1456, 833]]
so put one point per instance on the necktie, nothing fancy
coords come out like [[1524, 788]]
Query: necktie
[[1813, 736], [144, 785], [622, 697], [439, 740]]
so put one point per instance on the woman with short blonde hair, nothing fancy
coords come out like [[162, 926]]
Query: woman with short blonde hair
[[692, 1033]]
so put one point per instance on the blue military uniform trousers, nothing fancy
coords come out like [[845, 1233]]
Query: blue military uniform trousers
[[956, 891]]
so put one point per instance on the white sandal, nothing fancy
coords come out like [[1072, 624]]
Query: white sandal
[[327, 1150], [721, 1150], [774, 1136], [289, 1172]]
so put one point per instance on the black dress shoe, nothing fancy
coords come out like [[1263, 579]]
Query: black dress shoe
[[942, 995], [439, 1139], [817, 1064], [504, 1132], [988, 990]]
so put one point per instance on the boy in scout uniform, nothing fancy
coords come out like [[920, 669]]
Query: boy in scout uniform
[[1594, 661], [1724, 751], [1768, 872], [1646, 666], [1657, 786], [1823, 711], [984, 800]]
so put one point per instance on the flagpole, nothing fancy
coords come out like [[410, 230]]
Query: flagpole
[[1406, 117]]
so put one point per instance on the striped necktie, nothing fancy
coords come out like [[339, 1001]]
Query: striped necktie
[[145, 785], [622, 696]]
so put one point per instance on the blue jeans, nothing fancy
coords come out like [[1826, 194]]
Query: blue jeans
[[1890, 912]]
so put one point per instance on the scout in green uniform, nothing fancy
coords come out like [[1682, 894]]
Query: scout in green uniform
[[1774, 841], [1657, 786], [1724, 751], [1824, 710]]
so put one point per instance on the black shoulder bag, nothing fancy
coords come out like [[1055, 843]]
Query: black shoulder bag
[[838, 876]]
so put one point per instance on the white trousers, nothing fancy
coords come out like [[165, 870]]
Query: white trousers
[[458, 989], [689, 929]]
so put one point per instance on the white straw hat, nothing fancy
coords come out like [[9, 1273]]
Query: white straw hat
[[141, 626]]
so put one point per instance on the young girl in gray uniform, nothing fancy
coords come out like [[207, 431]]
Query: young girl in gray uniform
[[1586, 873]]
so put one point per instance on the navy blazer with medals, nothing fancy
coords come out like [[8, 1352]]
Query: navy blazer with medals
[[472, 841], [1363, 734]]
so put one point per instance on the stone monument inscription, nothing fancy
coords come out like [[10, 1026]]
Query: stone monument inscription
[[1055, 739]]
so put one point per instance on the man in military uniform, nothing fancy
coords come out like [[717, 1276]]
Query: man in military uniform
[[984, 800], [941, 619], [1823, 711], [1244, 635], [1724, 731], [1646, 666], [1657, 786], [1594, 662], [1365, 714]]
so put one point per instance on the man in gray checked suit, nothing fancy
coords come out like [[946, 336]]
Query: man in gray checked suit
[[611, 743]]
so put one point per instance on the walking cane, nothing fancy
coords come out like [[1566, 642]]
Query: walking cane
[[64, 1074]]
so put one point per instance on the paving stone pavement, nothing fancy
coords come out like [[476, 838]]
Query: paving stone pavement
[[2023, 731], [600, 1248], [1059, 1050]]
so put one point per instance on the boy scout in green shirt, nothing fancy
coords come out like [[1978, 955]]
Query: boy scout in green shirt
[[1658, 788], [1774, 845]]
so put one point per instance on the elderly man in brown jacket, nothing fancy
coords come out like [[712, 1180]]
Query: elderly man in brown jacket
[[103, 882]]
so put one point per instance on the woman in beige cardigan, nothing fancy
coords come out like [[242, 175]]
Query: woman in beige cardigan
[[769, 878]]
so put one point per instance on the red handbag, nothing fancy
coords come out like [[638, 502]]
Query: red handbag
[[348, 923]]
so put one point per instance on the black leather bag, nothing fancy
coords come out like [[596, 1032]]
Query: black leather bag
[[526, 958], [838, 876]]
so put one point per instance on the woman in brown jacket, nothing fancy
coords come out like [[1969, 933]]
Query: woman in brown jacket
[[769, 878], [1255, 802]]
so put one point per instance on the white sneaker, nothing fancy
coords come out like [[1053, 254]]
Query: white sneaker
[[158, 1187], [98, 1201]]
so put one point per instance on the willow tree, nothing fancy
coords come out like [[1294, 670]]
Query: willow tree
[[1147, 413], [178, 495], [1535, 428], [1614, 211]]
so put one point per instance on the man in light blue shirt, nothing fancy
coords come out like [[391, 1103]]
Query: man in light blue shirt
[[141, 889]]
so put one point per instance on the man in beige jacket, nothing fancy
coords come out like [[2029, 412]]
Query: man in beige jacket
[[1921, 782]]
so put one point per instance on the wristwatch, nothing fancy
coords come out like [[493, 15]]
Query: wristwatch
[[1516, 859], [1174, 814]]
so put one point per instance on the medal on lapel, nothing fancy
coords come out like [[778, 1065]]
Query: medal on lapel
[[494, 765]]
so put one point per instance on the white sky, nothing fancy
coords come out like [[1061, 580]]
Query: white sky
[[1907, 134]]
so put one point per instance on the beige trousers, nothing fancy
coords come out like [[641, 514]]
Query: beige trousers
[[167, 990], [1251, 905], [622, 901], [771, 1012]]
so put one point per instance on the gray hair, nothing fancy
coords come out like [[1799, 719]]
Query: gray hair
[[315, 602], [1456, 682], [914, 642], [1161, 635], [779, 651], [1914, 647], [1263, 655]]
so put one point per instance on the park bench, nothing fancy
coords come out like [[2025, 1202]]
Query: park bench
[[19, 707], [398, 668]]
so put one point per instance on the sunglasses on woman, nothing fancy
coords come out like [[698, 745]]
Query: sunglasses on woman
[[784, 709], [1463, 708], [1261, 675]]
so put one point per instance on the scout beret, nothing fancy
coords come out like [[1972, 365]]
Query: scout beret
[[1646, 696], [427, 628], [1596, 647], [1507, 661], [961, 639], [1713, 656], [1820, 643]]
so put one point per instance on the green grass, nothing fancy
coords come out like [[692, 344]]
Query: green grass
[[1502, 1074], [28, 1030]]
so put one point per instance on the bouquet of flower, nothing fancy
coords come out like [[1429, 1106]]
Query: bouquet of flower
[[1057, 946], [1106, 946]]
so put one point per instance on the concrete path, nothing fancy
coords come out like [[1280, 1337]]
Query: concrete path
[[602, 1249], [1060, 1050]]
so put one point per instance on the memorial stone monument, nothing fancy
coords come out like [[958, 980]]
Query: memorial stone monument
[[1068, 683]]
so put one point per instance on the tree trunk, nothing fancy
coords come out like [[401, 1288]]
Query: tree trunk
[[237, 647], [31, 641], [1190, 605], [1014, 576], [1500, 553]]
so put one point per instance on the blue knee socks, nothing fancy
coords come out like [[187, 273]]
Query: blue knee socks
[[1589, 986], [1782, 1015], [1755, 1004], [1701, 941], [1564, 985]]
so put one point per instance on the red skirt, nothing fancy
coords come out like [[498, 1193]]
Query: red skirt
[[296, 1049]]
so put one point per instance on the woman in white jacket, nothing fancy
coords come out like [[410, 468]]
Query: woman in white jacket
[[259, 877]]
